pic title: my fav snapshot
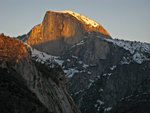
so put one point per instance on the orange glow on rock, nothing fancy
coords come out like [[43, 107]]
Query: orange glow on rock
[[11, 50], [58, 25]]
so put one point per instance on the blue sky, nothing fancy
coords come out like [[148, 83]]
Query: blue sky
[[123, 19]]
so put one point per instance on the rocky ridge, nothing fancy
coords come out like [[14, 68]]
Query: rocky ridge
[[11, 50], [47, 85]]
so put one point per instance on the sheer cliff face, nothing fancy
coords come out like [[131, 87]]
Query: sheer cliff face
[[46, 84], [55, 26], [15, 97], [64, 29]]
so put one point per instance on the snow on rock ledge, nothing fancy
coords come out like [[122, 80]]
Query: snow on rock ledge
[[131, 46], [42, 57], [137, 50], [81, 18]]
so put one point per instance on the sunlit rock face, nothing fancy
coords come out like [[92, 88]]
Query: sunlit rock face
[[55, 26], [11, 49], [60, 30]]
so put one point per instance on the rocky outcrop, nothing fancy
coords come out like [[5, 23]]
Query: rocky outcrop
[[12, 50], [55, 26], [60, 30], [15, 97], [47, 84]]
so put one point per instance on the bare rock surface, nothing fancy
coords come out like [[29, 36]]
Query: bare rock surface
[[47, 84], [60, 30]]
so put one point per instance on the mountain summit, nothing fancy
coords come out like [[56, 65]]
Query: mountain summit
[[88, 23], [63, 28]]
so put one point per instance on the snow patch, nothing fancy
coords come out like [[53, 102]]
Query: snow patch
[[82, 18], [137, 49], [104, 74], [70, 72], [98, 105], [101, 90], [42, 57], [74, 57], [78, 44], [112, 68], [76, 93], [125, 60], [90, 84], [80, 62], [68, 60], [131, 46], [89, 72], [107, 75], [100, 102], [95, 105], [139, 57], [108, 109], [85, 66], [83, 71]]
